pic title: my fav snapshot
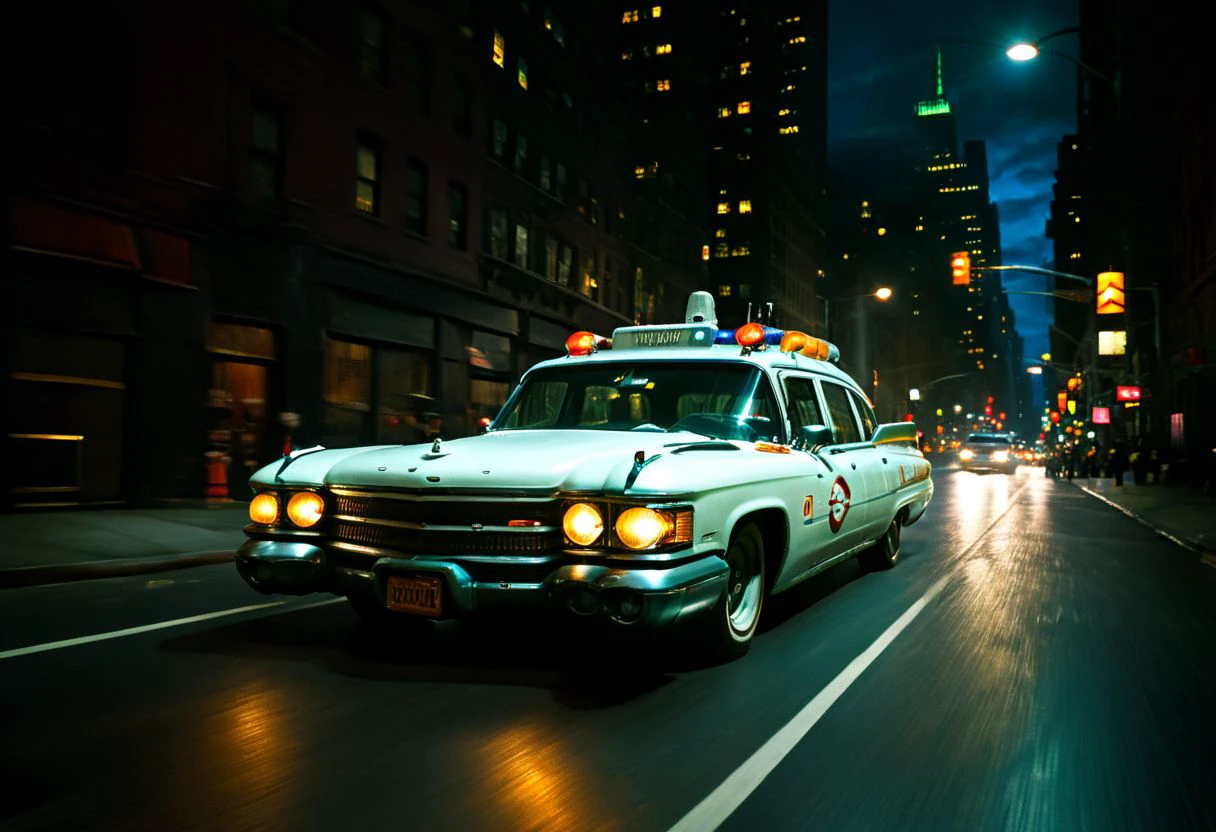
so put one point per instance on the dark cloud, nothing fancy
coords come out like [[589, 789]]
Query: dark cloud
[[882, 56]]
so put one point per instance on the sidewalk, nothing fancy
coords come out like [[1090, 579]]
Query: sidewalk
[[1183, 514], [55, 546]]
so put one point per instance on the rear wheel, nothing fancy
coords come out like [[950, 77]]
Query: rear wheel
[[885, 552], [733, 622]]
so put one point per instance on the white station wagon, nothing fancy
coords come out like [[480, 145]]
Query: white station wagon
[[676, 473]]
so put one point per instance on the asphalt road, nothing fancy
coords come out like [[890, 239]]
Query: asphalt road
[[1036, 661]]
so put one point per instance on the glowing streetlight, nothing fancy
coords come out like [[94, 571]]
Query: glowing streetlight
[[1022, 52], [958, 408], [883, 293], [1046, 356], [914, 395], [1035, 370]]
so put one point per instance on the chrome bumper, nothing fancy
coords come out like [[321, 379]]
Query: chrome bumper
[[634, 595]]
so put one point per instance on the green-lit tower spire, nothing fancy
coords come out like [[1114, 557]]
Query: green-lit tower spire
[[937, 105]]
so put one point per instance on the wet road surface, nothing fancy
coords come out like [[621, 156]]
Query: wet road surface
[[1036, 661]]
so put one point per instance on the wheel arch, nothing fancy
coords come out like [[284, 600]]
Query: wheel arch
[[773, 524]]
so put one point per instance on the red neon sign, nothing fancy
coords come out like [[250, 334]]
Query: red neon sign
[[1127, 394]]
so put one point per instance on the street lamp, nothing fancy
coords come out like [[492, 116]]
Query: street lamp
[[883, 293], [1029, 50]]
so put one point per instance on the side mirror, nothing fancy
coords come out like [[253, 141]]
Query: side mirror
[[816, 436], [901, 433]]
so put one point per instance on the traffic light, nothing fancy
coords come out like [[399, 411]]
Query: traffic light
[[960, 268], [1110, 293]]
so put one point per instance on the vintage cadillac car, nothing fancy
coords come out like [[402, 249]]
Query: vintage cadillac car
[[678, 473]]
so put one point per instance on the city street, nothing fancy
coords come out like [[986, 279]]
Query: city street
[[1036, 661]]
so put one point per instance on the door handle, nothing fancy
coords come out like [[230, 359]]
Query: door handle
[[854, 464]]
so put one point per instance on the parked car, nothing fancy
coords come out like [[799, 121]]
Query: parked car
[[671, 474], [988, 452]]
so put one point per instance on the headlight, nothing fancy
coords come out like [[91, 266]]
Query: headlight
[[641, 528], [965, 453], [583, 524], [305, 509], [264, 509], [1000, 456]]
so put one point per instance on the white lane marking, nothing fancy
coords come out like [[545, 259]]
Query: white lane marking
[[711, 812], [160, 625]]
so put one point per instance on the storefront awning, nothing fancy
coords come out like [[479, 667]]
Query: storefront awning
[[61, 232]]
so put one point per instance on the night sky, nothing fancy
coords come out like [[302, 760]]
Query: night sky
[[881, 62]]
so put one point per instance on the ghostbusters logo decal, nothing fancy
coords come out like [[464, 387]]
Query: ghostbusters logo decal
[[838, 504]]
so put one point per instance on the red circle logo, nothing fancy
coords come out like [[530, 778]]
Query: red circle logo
[[838, 504]]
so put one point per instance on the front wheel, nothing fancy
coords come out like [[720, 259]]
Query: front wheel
[[733, 622], [885, 552]]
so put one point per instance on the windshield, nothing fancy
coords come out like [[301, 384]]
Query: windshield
[[722, 400], [980, 439]]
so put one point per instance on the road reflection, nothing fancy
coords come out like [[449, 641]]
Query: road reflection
[[536, 783]]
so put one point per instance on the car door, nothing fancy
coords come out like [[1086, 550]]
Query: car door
[[860, 479], [812, 539]]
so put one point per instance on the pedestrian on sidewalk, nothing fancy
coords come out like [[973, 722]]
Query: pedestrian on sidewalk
[[1118, 461]]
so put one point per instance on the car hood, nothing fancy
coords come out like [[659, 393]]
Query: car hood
[[533, 460]]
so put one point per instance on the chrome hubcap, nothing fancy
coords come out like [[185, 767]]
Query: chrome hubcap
[[743, 599]]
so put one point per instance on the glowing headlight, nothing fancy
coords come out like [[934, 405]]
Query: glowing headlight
[[583, 524], [305, 509], [264, 509], [641, 528], [965, 453], [1000, 456]]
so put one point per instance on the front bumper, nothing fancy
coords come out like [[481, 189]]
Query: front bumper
[[644, 593]]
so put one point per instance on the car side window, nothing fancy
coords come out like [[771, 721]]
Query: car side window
[[868, 420], [844, 423], [803, 404]]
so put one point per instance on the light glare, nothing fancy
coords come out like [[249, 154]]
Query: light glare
[[1022, 52]]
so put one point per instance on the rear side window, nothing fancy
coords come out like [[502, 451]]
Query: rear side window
[[844, 423], [868, 420]]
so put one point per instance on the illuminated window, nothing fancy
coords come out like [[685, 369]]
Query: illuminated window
[[799, 39], [745, 206], [882, 232], [704, 252], [663, 49], [740, 251], [785, 131], [721, 250], [724, 290], [630, 17], [745, 67], [656, 11], [723, 112], [500, 49], [743, 107], [627, 55], [784, 111], [720, 233], [523, 73], [663, 85], [367, 175], [723, 207]]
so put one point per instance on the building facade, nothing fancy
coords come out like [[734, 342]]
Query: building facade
[[261, 225]]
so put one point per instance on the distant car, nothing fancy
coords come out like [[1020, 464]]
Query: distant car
[[988, 452]]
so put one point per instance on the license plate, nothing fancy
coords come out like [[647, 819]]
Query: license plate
[[417, 594]]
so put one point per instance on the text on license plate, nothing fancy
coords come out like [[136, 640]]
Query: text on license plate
[[419, 594]]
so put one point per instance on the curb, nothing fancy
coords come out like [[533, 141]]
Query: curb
[[24, 576], [1208, 557]]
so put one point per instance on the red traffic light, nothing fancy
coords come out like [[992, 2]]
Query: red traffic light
[[1055, 417], [1127, 394], [960, 268]]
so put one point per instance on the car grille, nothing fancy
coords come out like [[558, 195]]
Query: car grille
[[408, 525]]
